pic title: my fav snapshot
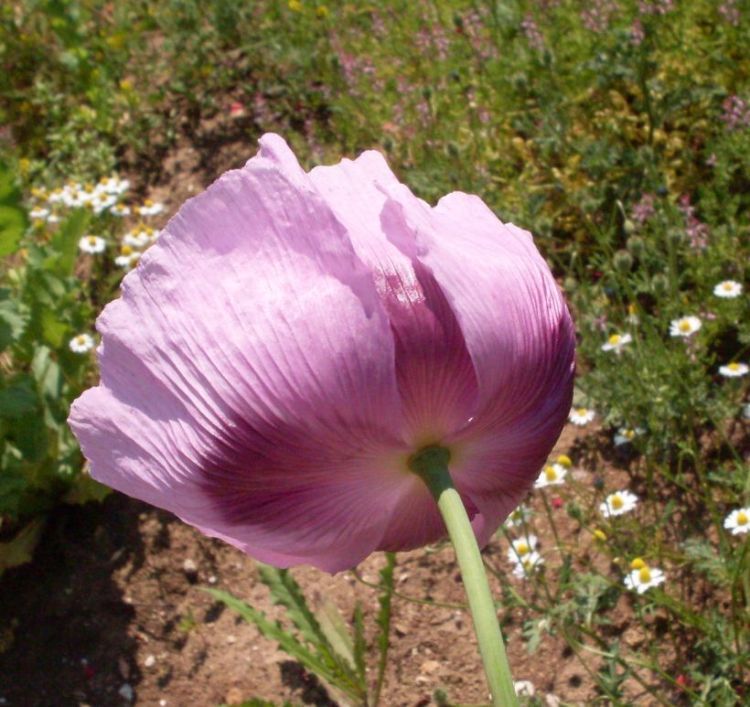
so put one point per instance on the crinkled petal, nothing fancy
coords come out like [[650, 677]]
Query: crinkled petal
[[517, 330], [248, 375], [435, 374]]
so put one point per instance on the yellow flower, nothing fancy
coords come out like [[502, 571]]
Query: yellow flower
[[637, 564], [600, 535]]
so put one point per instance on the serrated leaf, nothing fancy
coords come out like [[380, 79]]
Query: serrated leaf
[[286, 592], [273, 630], [384, 620], [335, 630], [12, 319], [360, 644]]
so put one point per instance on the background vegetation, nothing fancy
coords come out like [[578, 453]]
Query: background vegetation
[[618, 132]]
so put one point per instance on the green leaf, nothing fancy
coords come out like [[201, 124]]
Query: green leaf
[[360, 643], [285, 591], [384, 620], [53, 330], [335, 630], [12, 320], [273, 630], [65, 242], [18, 399], [20, 549], [85, 489], [13, 223]]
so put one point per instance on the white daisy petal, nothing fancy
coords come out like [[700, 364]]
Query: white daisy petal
[[581, 416], [738, 521], [616, 342], [728, 289], [685, 326], [551, 475], [734, 370], [81, 343], [92, 245], [641, 580], [618, 503]]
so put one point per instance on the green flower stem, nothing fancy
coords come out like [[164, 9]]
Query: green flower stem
[[431, 465]]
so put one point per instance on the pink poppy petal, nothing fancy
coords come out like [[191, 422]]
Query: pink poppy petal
[[434, 370], [223, 348], [517, 330]]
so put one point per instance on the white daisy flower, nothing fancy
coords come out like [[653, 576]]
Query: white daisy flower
[[618, 503], [684, 326], [92, 244], [643, 578], [56, 196], [521, 547], [616, 342], [581, 416], [141, 237], [81, 343], [114, 185], [128, 257], [39, 214], [150, 208], [552, 475], [101, 202], [519, 517], [728, 289], [120, 210], [738, 521], [528, 565], [627, 434], [734, 370]]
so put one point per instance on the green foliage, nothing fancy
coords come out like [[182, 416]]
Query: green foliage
[[320, 640], [621, 142]]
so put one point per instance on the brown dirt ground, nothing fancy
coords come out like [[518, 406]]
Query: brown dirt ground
[[112, 604]]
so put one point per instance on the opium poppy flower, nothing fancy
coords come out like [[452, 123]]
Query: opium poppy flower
[[293, 338]]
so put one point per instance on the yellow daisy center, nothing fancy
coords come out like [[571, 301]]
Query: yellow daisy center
[[727, 287], [733, 366], [742, 518], [148, 202], [522, 548], [91, 240], [617, 502], [126, 250], [614, 339], [684, 325], [600, 535], [80, 340], [565, 460], [582, 412], [644, 574], [551, 473]]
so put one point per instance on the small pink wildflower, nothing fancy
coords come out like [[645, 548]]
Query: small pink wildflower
[[736, 113]]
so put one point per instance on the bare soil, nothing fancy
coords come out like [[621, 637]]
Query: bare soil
[[111, 612]]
